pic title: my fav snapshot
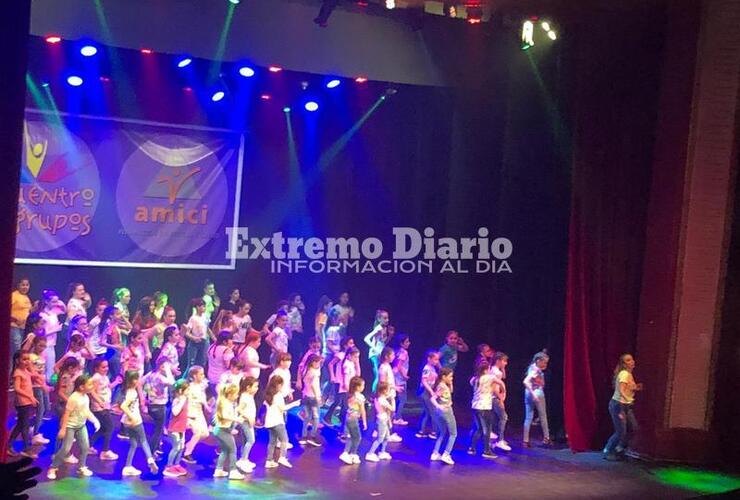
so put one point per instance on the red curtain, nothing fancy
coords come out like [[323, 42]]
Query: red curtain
[[614, 109]]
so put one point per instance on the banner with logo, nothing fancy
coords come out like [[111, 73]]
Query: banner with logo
[[110, 192]]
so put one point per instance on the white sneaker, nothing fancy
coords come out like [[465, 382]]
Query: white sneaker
[[346, 458], [400, 421], [447, 459], [371, 457], [92, 451], [130, 471], [85, 472], [71, 459], [436, 457], [39, 439], [494, 436], [302, 441], [108, 455], [220, 473], [123, 436], [285, 463], [245, 465], [394, 438], [51, 474], [271, 464], [503, 445], [313, 441], [384, 455], [356, 459], [235, 474], [287, 447]]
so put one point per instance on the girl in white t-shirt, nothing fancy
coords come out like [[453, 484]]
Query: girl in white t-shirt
[[223, 422], [275, 422], [385, 374], [311, 397], [482, 405], [248, 355], [247, 412], [620, 407], [50, 312], [133, 424], [220, 355], [384, 410], [198, 405], [534, 397], [197, 333]]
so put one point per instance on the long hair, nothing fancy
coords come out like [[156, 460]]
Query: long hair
[[620, 366], [196, 302], [130, 379], [245, 383], [354, 383], [442, 373], [223, 337], [71, 289], [118, 293], [81, 381], [323, 301], [386, 354], [273, 387]]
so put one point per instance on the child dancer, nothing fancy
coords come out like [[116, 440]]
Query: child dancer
[[68, 372], [157, 385], [311, 401], [484, 354], [220, 355], [534, 397], [445, 416], [223, 421], [76, 349], [40, 389], [171, 348], [279, 337], [52, 308], [197, 334], [197, 405], [134, 356], [72, 427], [25, 401], [332, 345], [355, 413], [426, 391], [282, 369], [499, 397], [133, 424], [314, 349], [376, 341], [401, 373], [620, 408], [448, 352], [383, 412], [275, 422], [233, 376], [482, 405], [346, 371], [385, 374], [178, 424], [101, 396], [247, 413]]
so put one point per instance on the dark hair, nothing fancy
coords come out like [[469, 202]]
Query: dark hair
[[166, 310], [385, 354], [69, 364], [208, 282], [22, 278], [103, 302], [399, 339], [236, 363], [381, 388], [282, 303], [272, 388], [343, 343], [169, 332], [46, 296], [97, 362], [71, 288], [181, 386], [17, 359], [431, 352], [130, 378], [349, 352], [33, 319], [283, 356], [80, 381], [442, 373], [481, 347], [246, 382], [292, 296], [37, 339], [161, 360], [144, 304], [323, 301], [223, 337], [241, 303], [481, 370], [196, 302]]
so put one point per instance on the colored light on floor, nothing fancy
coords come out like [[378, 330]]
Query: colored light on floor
[[74, 80], [545, 26], [53, 39], [275, 69], [312, 106], [217, 96], [265, 97], [552, 35], [246, 72], [104, 79], [360, 79], [89, 50], [184, 62], [697, 480], [286, 109], [147, 51], [333, 84]]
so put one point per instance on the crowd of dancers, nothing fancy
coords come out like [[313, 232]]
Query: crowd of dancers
[[103, 364]]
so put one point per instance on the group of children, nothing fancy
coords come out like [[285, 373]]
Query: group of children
[[114, 368]]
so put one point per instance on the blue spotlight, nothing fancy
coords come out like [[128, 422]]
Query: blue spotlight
[[246, 72], [286, 109], [74, 80], [184, 61], [89, 50], [333, 84], [312, 106], [218, 95]]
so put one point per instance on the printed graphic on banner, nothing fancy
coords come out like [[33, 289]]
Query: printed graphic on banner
[[118, 193]]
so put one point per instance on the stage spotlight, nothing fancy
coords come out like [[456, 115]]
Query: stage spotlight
[[89, 50], [361, 79], [390, 4], [527, 35], [235, 2], [286, 109], [246, 72], [44, 84], [333, 84], [552, 35], [275, 69], [218, 95], [147, 51], [311, 106], [327, 7], [545, 26], [53, 39], [184, 62], [74, 80], [265, 97]]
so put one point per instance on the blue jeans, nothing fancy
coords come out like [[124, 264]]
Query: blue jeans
[[381, 441], [248, 440], [529, 407], [137, 437], [353, 443], [446, 423], [196, 354], [178, 446], [277, 433], [43, 398], [65, 446], [500, 411], [159, 415], [16, 338], [428, 411], [228, 448], [481, 430], [625, 425], [311, 408], [401, 397]]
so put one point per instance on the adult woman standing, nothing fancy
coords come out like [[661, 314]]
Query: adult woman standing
[[620, 408]]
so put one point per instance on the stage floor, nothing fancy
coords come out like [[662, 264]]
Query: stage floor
[[535, 473]]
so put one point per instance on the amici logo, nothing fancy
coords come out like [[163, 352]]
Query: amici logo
[[172, 194]]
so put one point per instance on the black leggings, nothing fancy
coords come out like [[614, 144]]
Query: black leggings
[[23, 425], [106, 429]]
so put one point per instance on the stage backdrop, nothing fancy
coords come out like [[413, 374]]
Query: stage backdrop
[[124, 193]]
